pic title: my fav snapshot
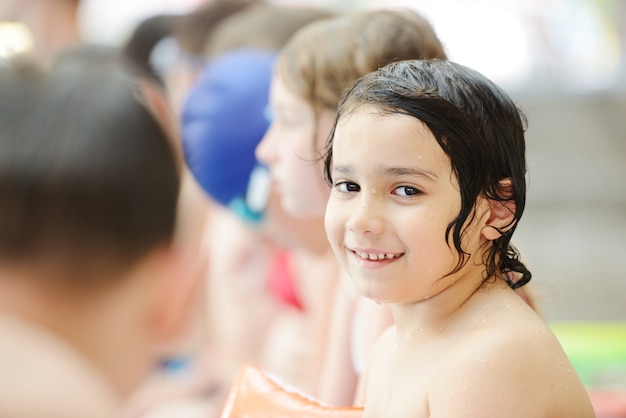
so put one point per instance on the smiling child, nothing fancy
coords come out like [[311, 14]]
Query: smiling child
[[427, 165]]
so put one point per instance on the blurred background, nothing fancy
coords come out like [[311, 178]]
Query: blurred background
[[564, 61]]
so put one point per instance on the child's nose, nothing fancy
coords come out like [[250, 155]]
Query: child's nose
[[367, 216], [264, 151]]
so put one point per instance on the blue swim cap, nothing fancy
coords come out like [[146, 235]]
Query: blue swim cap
[[224, 118]]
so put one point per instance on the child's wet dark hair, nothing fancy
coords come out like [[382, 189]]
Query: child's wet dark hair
[[476, 124]]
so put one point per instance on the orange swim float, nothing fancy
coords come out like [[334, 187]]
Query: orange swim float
[[256, 395]]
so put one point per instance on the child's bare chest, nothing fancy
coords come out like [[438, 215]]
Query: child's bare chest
[[398, 385]]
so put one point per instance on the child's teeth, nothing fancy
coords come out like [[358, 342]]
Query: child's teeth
[[375, 257]]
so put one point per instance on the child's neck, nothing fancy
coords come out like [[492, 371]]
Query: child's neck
[[449, 307]]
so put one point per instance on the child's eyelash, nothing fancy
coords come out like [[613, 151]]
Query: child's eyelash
[[346, 186], [408, 191]]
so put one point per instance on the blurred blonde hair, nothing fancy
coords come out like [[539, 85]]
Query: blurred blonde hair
[[326, 57]]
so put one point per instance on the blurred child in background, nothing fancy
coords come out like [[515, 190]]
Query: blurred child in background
[[91, 278]]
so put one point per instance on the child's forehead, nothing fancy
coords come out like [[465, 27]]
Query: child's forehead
[[358, 118], [386, 134], [283, 93]]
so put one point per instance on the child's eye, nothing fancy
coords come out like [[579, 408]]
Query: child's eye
[[347, 186], [407, 191]]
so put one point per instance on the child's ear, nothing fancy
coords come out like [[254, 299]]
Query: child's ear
[[501, 212]]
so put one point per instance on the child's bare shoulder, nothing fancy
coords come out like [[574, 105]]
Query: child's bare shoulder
[[42, 376], [511, 366]]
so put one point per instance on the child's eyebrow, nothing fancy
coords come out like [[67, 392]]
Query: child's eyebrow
[[411, 171], [391, 171], [343, 169]]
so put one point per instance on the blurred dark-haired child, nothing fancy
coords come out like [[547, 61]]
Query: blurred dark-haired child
[[90, 275]]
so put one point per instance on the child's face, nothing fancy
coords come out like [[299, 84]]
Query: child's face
[[290, 149], [393, 196]]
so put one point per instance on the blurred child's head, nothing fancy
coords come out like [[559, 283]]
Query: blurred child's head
[[224, 119], [141, 43], [177, 58], [314, 69], [326, 57], [88, 177], [268, 27], [480, 130], [225, 114], [89, 189]]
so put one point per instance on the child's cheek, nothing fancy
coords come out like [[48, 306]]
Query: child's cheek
[[334, 224]]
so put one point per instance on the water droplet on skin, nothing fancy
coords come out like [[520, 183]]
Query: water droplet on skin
[[414, 331], [431, 216], [373, 191], [507, 306]]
